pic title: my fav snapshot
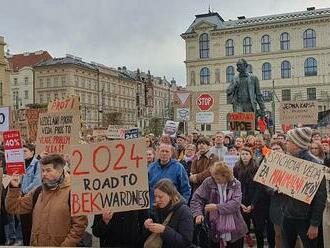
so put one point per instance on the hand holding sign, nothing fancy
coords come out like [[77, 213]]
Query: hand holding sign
[[15, 181]]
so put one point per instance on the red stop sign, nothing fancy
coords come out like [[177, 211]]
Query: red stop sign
[[204, 101]]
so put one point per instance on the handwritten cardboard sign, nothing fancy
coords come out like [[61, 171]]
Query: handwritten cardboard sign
[[14, 154], [298, 112], [109, 175], [132, 133], [57, 131], [70, 103], [241, 121], [32, 116], [292, 176], [117, 131]]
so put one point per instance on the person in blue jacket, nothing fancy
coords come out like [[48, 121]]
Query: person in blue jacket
[[165, 167]]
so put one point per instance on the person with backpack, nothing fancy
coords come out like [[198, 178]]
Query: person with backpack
[[52, 223]]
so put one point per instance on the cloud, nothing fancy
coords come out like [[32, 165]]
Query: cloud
[[141, 34]]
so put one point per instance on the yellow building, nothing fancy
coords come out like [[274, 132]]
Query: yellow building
[[291, 51], [4, 76]]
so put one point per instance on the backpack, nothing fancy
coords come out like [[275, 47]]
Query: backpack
[[86, 239]]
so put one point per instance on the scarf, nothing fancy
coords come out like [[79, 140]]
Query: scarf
[[53, 184]]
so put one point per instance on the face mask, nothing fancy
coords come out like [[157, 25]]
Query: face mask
[[53, 184]]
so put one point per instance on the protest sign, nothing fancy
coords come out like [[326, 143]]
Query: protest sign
[[70, 103], [4, 119], [298, 112], [294, 177], [132, 133], [109, 175], [14, 154], [57, 131], [117, 131], [231, 160], [170, 129], [32, 116], [5, 180], [241, 121]]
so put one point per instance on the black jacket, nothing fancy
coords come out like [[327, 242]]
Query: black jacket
[[179, 232], [296, 209], [124, 230]]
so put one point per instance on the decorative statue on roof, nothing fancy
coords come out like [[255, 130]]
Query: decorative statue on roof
[[244, 91]]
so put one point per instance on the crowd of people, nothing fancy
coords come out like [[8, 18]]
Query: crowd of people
[[197, 198]]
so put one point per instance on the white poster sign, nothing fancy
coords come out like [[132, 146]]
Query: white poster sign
[[4, 119], [204, 117], [183, 114]]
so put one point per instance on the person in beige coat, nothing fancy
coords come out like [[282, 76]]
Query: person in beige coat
[[52, 221]]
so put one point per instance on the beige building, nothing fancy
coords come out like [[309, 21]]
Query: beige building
[[291, 51], [21, 76], [105, 96], [4, 76]]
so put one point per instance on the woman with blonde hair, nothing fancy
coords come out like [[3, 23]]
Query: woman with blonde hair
[[219, 197], [172, 223]]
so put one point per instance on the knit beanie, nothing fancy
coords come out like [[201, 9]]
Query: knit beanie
[[300, 136]]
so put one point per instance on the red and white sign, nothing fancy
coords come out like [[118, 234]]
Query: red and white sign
[[183, 98], [14, 152], [204, 101]]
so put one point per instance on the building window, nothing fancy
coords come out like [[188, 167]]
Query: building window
[[206, 127], [63, 81], [55, 95], [285, 69], [266, 71], [205, 76], [311, 93], [204, 46], [48, 83], [230, 73], [249, 68], [229, 47], [15, 81], [309, 38], [310, 67], [26, 80], [26, 94], [286, 95], [41, 98], [41, 82], [265, 43], [247, 45], [55, 81], [285, 41]]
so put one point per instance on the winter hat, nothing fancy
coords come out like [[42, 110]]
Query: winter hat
[[300, 136]]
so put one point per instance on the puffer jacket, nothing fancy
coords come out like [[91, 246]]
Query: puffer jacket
[[52, 224], [313, 212]]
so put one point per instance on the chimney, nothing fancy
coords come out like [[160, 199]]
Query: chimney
[[310, 8], [241, 17]]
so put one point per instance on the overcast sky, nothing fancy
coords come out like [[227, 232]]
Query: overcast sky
[[141, 34]]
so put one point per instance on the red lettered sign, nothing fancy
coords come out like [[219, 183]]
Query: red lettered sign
[[204, 101], [14, 154], [109, 175]]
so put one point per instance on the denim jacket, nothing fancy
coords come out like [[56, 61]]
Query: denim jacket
[[32, 177]]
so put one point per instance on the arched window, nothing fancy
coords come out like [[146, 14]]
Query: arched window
[[230, 73], [247, 45], [204, 46], [310, 67], [309, 38], [285, 41], [249, 68], [205, 76], [266, 71], [285, 69], [265, 43], [229, 47]]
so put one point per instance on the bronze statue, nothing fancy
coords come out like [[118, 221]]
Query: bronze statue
[[244, 91]]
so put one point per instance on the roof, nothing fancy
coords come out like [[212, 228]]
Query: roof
[[18, 61], [69, 59], [215, 19]]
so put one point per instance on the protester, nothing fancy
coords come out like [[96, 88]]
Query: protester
[[300, 218], [30, 181], [316, 136], [228, 140], [52, 223], [180, 146], [281, 137], [123, 229], [195, 134], [232, 151], [316, 149], [239, 143], [219, 198], [261, 150], [165, 167], [326, 150], [200, 168], [189, 157], [262, 125], [219, 149], [255, 203], [250, 142], [172, 222], [151, 154]]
